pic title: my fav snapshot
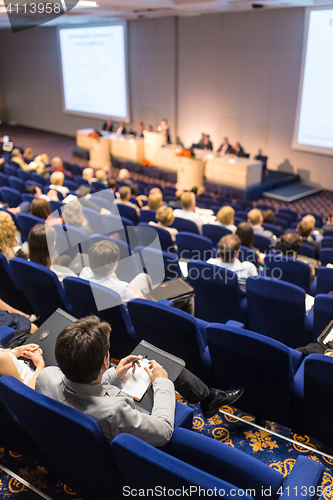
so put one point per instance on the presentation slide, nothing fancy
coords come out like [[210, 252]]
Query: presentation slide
[[314, 123], [94, 74]]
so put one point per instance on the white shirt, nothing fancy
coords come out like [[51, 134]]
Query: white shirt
[[112, 282], [242, 269], [26, 373], [62, 272], [189, 215], [231, 227]]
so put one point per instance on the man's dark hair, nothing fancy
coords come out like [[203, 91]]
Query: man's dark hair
[[290, 243], [268, 216], [229, 247], [103, 256], [134, 189], [31, 189], [81, 348], [112, 183]]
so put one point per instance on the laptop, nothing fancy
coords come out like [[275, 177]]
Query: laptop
[[47, 334], [171, 290]]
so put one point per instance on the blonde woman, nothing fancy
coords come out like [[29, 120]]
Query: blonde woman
[[8, 238], [225, 217], [72, 215], [57, 179], [165, 218], [155, 200]]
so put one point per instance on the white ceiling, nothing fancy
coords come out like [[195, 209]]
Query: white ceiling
[[136, 9]]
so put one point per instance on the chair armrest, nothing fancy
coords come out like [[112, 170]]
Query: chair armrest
[[296, 358], [6, 334], [304, 480], [202, 325]]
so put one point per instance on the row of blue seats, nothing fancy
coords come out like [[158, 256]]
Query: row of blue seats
[[80, 456]]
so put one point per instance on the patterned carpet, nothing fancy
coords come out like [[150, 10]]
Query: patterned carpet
[[63, 146], [270, 449]]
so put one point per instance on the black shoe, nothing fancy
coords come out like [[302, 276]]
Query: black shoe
[[221, 398]]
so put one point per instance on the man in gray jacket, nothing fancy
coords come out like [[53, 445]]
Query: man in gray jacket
[[85, 382]]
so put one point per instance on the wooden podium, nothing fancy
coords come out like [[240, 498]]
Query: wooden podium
[[153, 141], [190, 172], [129, 148], [239, 173], [99, 148]]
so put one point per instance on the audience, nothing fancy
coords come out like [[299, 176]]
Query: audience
[[101, 176], [42, 240], [290, 244], [72, 215], [9, 238], [18, 158], [57, 179], [187, 211], [268, 216], [88, 175], [246, 235], [41, 208], [155, 199], [57, 165], [256, 219], [125, 195], [225, 218], [28, 154], [229, 247], [103, 259], [165, 217], [304, 229]]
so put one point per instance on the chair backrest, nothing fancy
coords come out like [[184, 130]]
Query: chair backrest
[[70, 184], [217, 295], [245, 204], [185, 225], [328, 232], [214, 232], [95, 220], [128, 212], [194, 246], [10, 290], [79, 453], [286, 211], [11, 169], [68, 239], [22, 174], [318, 400], [172, 330], [28, 197], [241, 214], [327, 242], [274, 229], [26, 222], [282, 222], [11, 196], [324, 280], [54, 205], [4, 180], [259, 364], [16, 183], [325, 255], [288, 269], [262, 243], [41, 287], [146, 233], [90, 298], [160, 265], [322, 313], [248, 254], [38, 178], [148, 215], [307, 250], [277, 309], [147, 468]]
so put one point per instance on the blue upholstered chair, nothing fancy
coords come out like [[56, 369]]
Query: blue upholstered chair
[[194, 246], [241, 214], [79, 454], [288, 269], [328, 232], [28, 197], [4, 180], [173, 331], [148, 215], [22, 174], [214, 232], [245, 204], [284, 222], [6, 333], [11, 169], [115, 223], [287, 211], [146, 234], [95, 220], [260, 364], [322, 313], [10, 290], [184, 225], [26, 222], [195, 461], [323, 282], [273, 228], [54, 205], [128, 212], [68, 239], [306, 250], [44, 188], [327, 242], [262, 243], [325, 255], [90, 298], [39, 179], [70, 184], [153, 262], [16, 183], [277, 309], [41, 287], [217, 294], [11, 196]]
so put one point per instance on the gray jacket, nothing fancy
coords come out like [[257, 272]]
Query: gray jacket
[[113, 410]]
